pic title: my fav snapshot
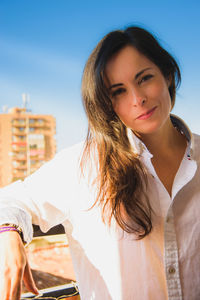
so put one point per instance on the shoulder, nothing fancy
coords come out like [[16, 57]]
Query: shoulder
[[70, 154], [196, 146], [60, 173], [75, 150], [64, 165], [196, 139]]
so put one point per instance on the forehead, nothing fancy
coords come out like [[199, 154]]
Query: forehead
[[126, 62]]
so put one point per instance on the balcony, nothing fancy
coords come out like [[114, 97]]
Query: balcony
[[19, 131], [19, 143], [19, 157], [18, 149], [19, 174], [36, 130], [19, 123], [37, 124], [21, 167]]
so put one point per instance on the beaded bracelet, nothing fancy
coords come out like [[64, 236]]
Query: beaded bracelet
[[12, 227]]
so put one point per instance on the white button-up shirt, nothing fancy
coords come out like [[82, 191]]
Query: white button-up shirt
[[109, 263]]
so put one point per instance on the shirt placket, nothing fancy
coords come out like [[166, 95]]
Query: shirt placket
[[171, 248], [171, 258]]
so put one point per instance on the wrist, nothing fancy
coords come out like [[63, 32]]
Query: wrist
[[12, 227]]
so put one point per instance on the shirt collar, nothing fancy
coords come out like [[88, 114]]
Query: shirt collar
[[140, 149]]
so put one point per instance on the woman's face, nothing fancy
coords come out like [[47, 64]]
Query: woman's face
[[138, 91]]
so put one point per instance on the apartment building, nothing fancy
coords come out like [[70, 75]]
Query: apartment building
[[26, 141]]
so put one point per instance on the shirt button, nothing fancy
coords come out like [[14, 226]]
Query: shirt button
[[172, 270]]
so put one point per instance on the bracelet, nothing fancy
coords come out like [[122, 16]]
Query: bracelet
[[12, 227], [4, 229]]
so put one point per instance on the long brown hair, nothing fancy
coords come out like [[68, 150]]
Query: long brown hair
[[121, 179]]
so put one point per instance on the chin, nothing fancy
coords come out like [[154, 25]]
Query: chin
[[149, 129]]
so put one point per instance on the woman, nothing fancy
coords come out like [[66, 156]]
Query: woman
[[128, 198]]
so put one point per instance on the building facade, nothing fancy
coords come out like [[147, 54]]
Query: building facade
[[26, 141]]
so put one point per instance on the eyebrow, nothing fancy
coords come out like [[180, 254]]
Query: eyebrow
[[141, 72], [136, 76]]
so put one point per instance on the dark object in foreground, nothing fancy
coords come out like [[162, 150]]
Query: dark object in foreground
[[66, 291], [52, 287], [58, 229]]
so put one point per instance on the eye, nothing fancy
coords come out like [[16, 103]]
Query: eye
[[117, 92], [145, 78]]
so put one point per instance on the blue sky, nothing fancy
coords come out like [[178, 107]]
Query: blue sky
[[44, 45]]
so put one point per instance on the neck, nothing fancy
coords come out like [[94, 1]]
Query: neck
[[165, 140]]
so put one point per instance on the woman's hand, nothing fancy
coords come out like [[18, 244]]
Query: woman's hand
[[14, 267]]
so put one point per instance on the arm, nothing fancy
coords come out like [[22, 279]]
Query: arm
[[14, 267], [43, 199]]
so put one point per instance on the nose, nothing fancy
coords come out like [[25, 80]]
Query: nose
[[137, 97]]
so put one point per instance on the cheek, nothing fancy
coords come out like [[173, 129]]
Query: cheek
[[122, 108], [155, 92], [160, 93], [125, 112], [166, 100]]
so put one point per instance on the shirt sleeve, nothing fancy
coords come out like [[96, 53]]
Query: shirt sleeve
[[45, 197]]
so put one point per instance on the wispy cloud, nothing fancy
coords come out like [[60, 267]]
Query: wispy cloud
[[39, 58]]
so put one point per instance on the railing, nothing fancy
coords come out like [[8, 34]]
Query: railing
[[66, 291]]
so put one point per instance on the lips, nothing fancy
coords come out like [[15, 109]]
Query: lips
[[147, 114]]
